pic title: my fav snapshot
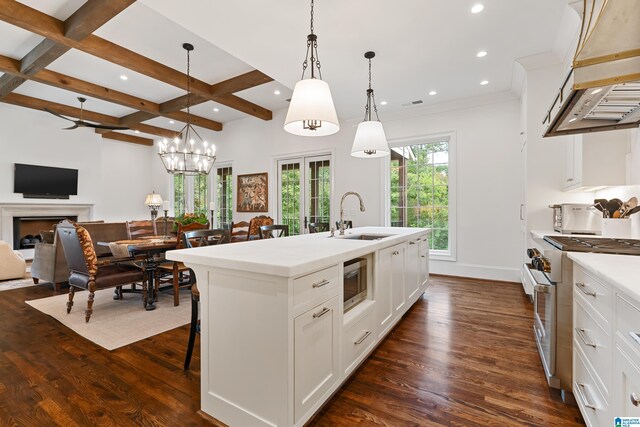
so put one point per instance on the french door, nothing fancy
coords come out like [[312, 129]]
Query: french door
[[304, 192]]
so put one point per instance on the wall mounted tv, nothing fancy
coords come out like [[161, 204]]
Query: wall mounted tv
[[45, 182]]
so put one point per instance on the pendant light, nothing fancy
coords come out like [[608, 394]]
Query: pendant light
[[311, 111], [370, 140], [188, 154]]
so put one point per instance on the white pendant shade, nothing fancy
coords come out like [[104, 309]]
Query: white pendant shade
[[370, 140], [311, 102]]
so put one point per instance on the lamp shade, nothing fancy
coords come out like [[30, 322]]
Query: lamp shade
[[370, 140], [311, 102], [153, 199]]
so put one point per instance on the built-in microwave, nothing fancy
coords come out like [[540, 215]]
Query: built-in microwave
[[354, 282]]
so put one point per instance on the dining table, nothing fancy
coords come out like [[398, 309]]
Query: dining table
[[149, 248]]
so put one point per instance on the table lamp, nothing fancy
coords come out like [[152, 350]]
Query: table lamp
[[154, 201]]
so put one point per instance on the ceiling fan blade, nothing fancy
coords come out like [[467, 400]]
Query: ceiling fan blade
[[58, 115], [71, 127], [106, 127]]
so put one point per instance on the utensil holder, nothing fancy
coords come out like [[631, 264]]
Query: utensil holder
[[616, 227]]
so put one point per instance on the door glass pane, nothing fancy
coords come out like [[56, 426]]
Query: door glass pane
[[178, 195], [290, 196], [200, 184], [224, 196], [319, 191]]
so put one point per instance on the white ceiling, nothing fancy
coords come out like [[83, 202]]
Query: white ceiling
[[420, 45]]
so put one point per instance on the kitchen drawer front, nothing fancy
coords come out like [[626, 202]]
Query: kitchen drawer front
[[316, 287], [595, 342], [628, 325], [593, 406], [627, 383], [358, 339], [597, 293]]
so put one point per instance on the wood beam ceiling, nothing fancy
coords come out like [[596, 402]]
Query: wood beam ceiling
[[84, 21], [17, 14], [124, 137], [65, 110]]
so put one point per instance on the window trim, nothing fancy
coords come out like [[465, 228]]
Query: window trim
[[214, 189], [451, 138]]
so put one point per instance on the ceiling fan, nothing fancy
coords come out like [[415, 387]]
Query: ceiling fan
[[81, 123]]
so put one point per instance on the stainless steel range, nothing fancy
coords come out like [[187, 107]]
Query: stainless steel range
[[550, 274]]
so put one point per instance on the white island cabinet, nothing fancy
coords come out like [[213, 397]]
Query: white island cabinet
[[275, 340]]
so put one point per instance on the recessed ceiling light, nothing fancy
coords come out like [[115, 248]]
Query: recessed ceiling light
[[593, 92], [477, 8], [383, 103], [276, 92], [484, 82], [123, 77], [573, 120], [137, 131], [216, 109], [481, 54], [433, 92], [171, 121]]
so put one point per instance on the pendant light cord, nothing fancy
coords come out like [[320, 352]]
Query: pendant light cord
[[371, 99], [188, 87], [312, 46]]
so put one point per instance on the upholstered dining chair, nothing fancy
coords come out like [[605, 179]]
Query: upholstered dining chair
[[347, 224], [86, 272], [273, 231], [318, 227], [256, 223], [175, 272]]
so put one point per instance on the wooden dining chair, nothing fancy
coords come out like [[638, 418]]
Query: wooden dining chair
[[318, 227], [239, 231], [138, 229], [197, 238], [87, 272], [273, 231], [175, 272]]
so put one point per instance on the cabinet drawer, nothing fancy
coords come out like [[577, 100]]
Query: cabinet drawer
[[595, 342], [628, 384], [315, 287], [357, 339], [628, 325], [593, 405], [596, 293]]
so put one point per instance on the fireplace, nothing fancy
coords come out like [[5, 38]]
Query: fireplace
[[32, 213], [26, 229]]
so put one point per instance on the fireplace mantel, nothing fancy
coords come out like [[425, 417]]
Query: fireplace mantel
[[8, 211]]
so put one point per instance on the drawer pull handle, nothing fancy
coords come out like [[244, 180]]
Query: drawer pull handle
[[423, 256], [583, 337], [583, 396], [635, 337], [321, 283], [395, 253], [414, 242], [635, 400], [585, 289], [366, 335], [324, 311]]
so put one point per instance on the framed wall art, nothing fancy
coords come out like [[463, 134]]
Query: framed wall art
[[253, 193]]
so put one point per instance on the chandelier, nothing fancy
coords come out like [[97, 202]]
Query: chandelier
[[188, 154], [370, 140], [311, 112]]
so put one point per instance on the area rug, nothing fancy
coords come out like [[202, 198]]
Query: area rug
[[6, 285], [116, 323]]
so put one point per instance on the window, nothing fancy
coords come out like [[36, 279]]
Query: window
[[304, 192], [190, 194], [224, 196], [421, 190]]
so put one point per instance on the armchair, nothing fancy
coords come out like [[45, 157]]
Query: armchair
[[13, 265]]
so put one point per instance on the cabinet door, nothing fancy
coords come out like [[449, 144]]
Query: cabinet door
[[423, 261], [412, 278], [316, 363], [382, 290], [398, 276], [627, 403], [569, 160]]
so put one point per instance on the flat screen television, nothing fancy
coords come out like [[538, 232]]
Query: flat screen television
[[44, 181]]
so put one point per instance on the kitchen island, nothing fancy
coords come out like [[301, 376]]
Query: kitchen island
[[275, 340]]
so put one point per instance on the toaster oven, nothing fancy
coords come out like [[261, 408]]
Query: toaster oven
[[576, 218]]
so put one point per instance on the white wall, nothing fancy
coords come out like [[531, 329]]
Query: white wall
[[113, 176], [488, 181]]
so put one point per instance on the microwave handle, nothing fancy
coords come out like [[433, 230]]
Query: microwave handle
[[555, 206]]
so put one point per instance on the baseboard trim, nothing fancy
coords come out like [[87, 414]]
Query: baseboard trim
[[500, 274]]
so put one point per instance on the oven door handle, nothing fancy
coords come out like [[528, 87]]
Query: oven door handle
[[543, 289]]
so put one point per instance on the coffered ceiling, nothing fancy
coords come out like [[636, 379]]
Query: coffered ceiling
[[421, 46]]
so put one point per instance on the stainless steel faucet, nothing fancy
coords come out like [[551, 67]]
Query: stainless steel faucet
[[341, 225]]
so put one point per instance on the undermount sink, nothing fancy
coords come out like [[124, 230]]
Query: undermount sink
[[365, 236]]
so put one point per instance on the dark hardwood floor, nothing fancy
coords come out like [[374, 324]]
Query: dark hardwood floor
[[463, 356]]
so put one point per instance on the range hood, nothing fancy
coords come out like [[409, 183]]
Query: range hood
[[602, 90]]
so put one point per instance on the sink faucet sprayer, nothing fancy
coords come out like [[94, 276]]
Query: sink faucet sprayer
[[342, 226]]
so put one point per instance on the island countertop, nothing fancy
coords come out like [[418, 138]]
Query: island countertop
[[294, 255]]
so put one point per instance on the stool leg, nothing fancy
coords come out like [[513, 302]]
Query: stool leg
[[192, 330]]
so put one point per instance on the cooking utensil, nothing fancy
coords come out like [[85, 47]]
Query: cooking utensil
[[632, 211], [612, 206], [600, 204]]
